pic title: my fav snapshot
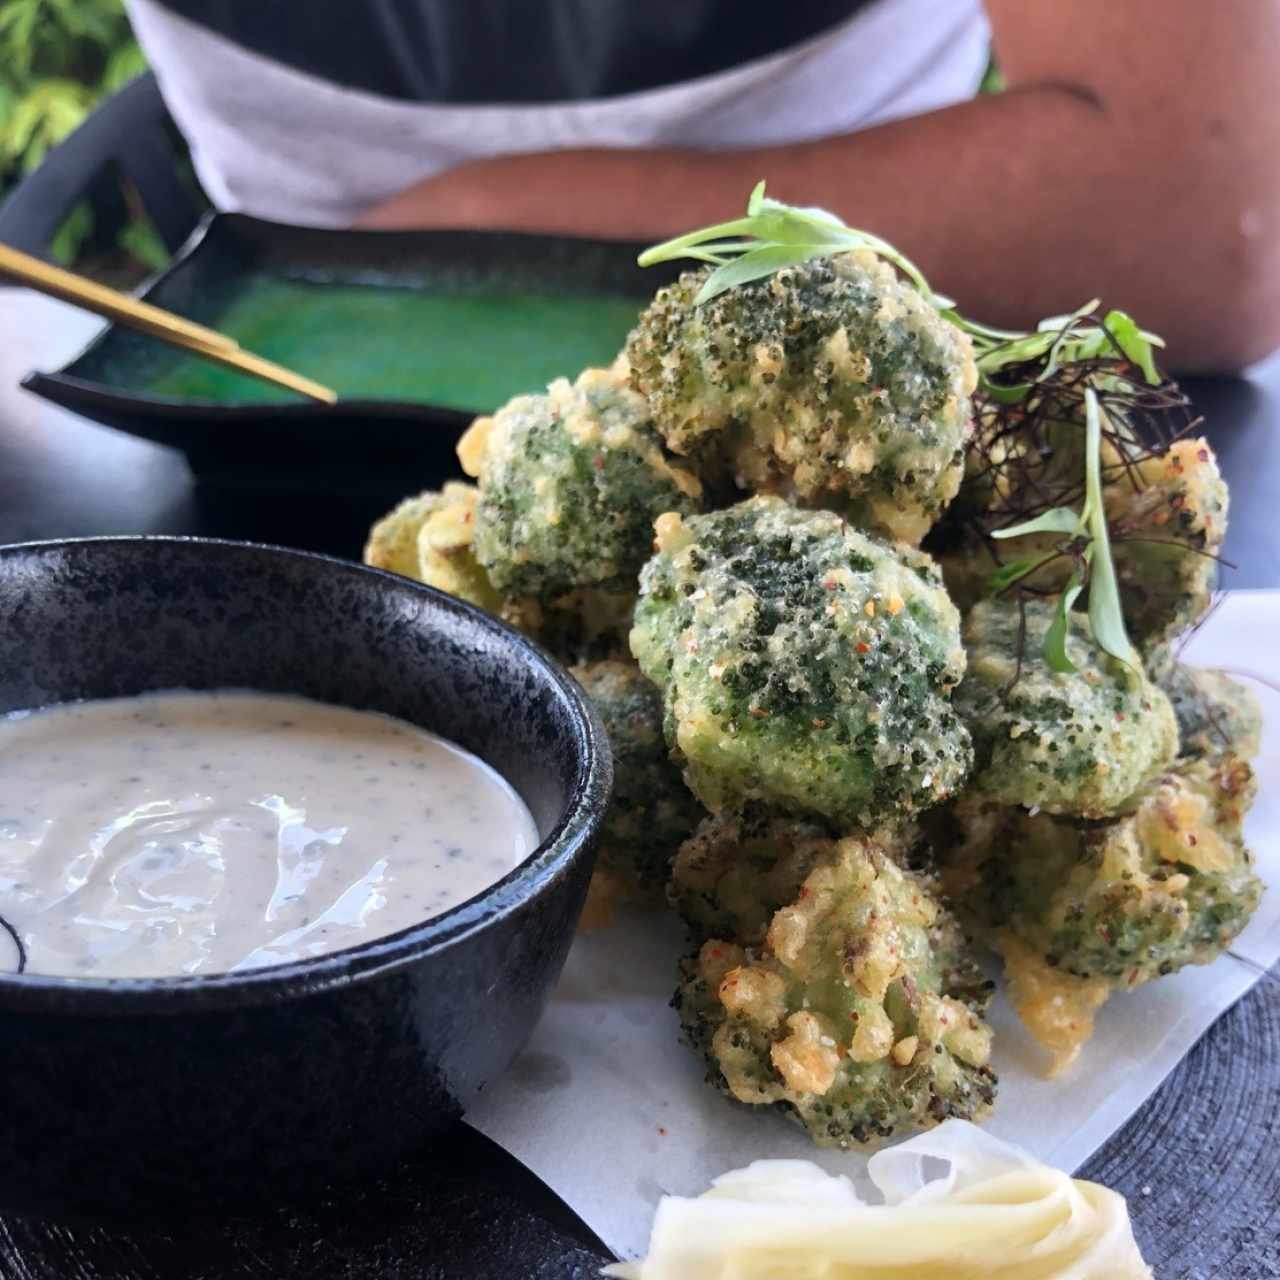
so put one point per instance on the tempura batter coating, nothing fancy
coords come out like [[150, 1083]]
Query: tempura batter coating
[[736, 870], [1118, 903], [844, 1018], [652, 810], [570, 483], [446, 551], [1077, 743], [804, 664], [1166, 534], [393, 541], [1216, 714], [833, 382], [432, 538]]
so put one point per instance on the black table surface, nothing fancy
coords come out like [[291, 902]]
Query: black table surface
[[1199, 1163]]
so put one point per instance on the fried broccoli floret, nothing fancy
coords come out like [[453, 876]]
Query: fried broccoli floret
[[1077, 743], [846, 1017], [833, 382], [446, 554], [1168, 523], [393, 541], [804, 665], [431, 538], [1166, 512], [737, 869], [570, 483], [1083, 908], [1216, 715], [652, 810]]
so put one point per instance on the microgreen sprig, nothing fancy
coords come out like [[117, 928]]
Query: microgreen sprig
[[774, 235], [781, 235], [1091, 544]]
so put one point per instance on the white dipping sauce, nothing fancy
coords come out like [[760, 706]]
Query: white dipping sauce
[[182, 833]]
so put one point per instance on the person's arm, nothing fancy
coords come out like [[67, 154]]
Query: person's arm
[[1135, 154]]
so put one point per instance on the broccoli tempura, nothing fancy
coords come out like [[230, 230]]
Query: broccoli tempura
[[804, 664], [833, 382], [1079, 909], [393, 541], [431, 538], [446, 554], [736, 870], [570, 483], [1216, 714], [1168, 523], [847, 1017], [1077, 743], [652, 810]]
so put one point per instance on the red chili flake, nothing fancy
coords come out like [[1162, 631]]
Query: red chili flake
[[862, 647], [1104, 933], [598, 462]]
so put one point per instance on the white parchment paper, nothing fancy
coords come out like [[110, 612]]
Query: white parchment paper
[[609, 1109]]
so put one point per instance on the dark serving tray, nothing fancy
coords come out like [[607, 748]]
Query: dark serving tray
[[418, 331]]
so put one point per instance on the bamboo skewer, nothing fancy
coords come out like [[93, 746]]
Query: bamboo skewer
[[161, 324]]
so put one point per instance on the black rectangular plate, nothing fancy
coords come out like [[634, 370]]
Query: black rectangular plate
[[263, 438]]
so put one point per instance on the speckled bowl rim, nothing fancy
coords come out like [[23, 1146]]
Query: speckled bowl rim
[[552, 859]]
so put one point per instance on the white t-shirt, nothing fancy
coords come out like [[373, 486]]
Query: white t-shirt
[[279, 143]]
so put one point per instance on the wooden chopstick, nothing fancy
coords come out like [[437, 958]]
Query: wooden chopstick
[[170, 328], [256, 367]]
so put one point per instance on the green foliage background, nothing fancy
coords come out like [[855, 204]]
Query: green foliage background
[[58, 60]]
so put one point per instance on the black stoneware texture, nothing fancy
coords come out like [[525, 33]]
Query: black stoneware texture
[[125, 1096]]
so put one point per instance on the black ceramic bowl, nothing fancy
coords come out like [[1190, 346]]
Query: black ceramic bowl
[[126, 1094]]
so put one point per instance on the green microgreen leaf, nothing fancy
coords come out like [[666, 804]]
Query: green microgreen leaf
[[1057, 520], [782, 235], [1055, 639], [757, 264], [1106, 617], [1008, 574], [1134, 343]]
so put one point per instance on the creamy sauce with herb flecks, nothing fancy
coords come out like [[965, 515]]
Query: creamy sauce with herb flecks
[[183, 833]]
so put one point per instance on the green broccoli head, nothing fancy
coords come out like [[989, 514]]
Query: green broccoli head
[[737, 869], [1168, 524], [432, 538], [570, 483], [804, 665], [652, 810], [1216, 715], [1167, 884], [847, 1016], [833, 382], [1077, 743]]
